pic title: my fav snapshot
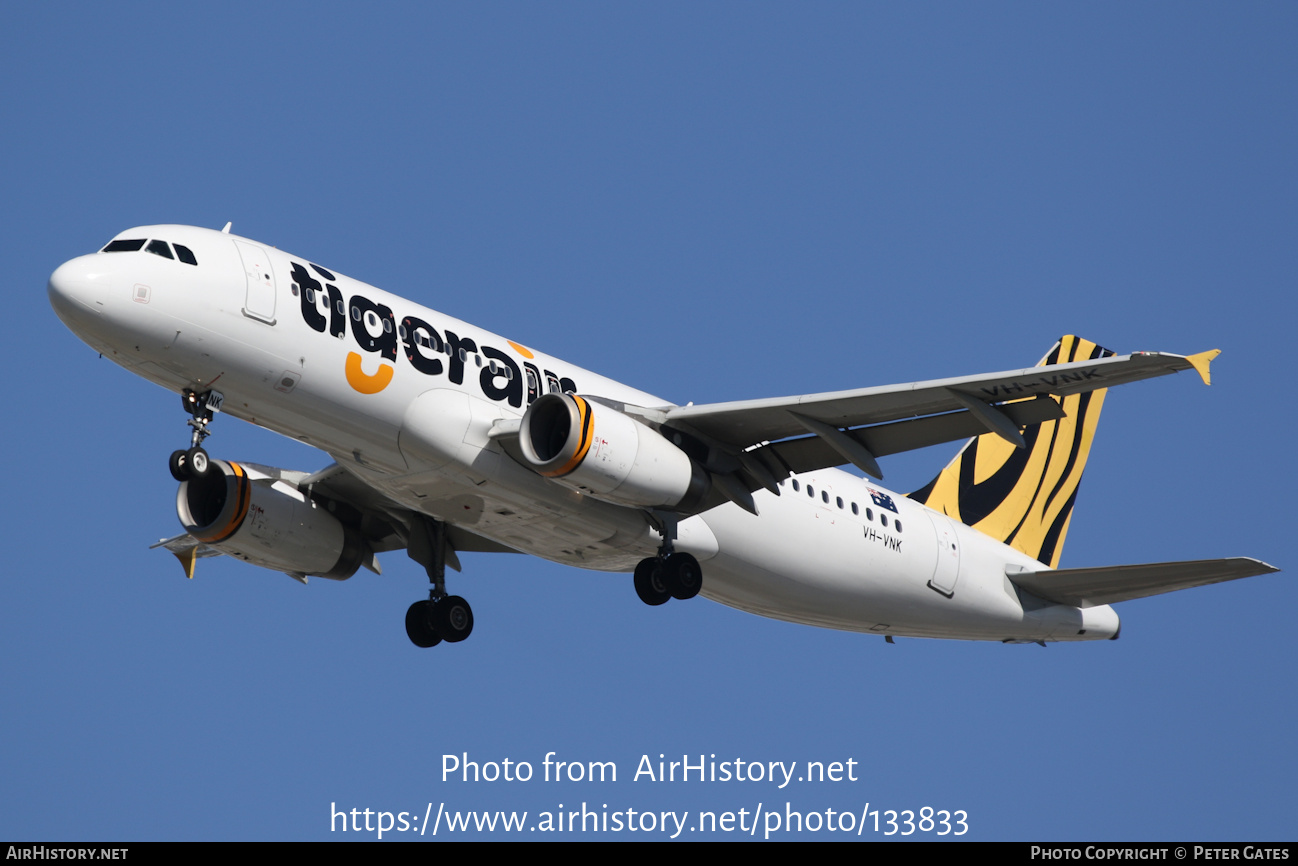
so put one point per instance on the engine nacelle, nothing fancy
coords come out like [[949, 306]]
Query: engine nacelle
[[608, 455], [259, 519]]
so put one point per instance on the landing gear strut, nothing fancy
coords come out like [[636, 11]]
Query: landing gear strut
[[670, 574], [442, 617], [202, 408]]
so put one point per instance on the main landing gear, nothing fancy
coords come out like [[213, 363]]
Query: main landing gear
[[670, 574], [442, 617], [202, 408], [449, 619]]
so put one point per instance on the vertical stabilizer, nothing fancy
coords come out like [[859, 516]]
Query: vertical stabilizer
[[1024, 496]]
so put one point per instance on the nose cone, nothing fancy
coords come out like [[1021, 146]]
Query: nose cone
[[79, 292]]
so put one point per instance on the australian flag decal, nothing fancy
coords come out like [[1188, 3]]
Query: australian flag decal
[[883, 500]]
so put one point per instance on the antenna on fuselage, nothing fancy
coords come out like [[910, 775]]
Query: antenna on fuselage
[[226, 230]]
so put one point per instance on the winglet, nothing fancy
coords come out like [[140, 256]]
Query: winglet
[[187, 559], [1201, 361], [188, 550]]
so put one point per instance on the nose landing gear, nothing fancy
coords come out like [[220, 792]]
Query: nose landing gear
[[202, 408]]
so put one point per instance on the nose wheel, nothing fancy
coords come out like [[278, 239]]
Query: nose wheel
[[185, 465], [202, 408]]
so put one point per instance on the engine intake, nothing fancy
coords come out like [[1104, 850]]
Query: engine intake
[[606, 454], [247, 514]]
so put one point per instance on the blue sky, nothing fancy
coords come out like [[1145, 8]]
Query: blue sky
[[709, 202]]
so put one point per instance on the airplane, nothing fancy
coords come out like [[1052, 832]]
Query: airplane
[[446, 439]]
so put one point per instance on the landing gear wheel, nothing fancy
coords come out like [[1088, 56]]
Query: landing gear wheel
[[202, 408], [453, 618], [197, 462], [419, 626], [682, 575], [649, 583], [179, 466]]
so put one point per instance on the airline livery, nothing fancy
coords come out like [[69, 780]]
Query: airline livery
[[447, 438]]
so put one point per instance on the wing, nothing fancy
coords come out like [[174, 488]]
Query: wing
[[381, 523], [388, 522], [754, 442]]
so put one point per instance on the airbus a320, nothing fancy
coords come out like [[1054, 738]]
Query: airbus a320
[[446, 438]]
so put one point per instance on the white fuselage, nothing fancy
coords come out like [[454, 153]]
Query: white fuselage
[[405, 398]]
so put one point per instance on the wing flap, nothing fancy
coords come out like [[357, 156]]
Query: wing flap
[[1088, 587], [809, 453]]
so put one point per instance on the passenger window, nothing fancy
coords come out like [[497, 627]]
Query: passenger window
[[883, 518], [840, 502], [896, 524], [796, 487], [124, 246], [811, 491], [824, 496], [869, 514], [185, 254], [855, 510], [159, 248]]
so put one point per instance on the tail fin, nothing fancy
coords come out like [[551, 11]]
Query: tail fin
[[1024, 496]]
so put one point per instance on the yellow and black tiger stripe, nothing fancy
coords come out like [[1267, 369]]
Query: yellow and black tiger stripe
[[1024, 496], [222, 529], [585, 423]]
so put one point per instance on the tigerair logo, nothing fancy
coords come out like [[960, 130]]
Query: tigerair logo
[[376, 332]]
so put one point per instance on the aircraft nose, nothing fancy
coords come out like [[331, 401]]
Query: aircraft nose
[[78, 290]]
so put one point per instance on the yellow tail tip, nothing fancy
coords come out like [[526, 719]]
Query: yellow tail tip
[[1200, 363]]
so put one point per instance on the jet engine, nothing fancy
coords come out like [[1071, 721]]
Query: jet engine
[[246, 513], [606, 454]]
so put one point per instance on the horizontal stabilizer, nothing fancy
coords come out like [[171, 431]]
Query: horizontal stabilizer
[[1088, 587]]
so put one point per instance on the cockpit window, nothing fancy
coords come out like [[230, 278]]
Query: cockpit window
[[124, 246], [159, 248]]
